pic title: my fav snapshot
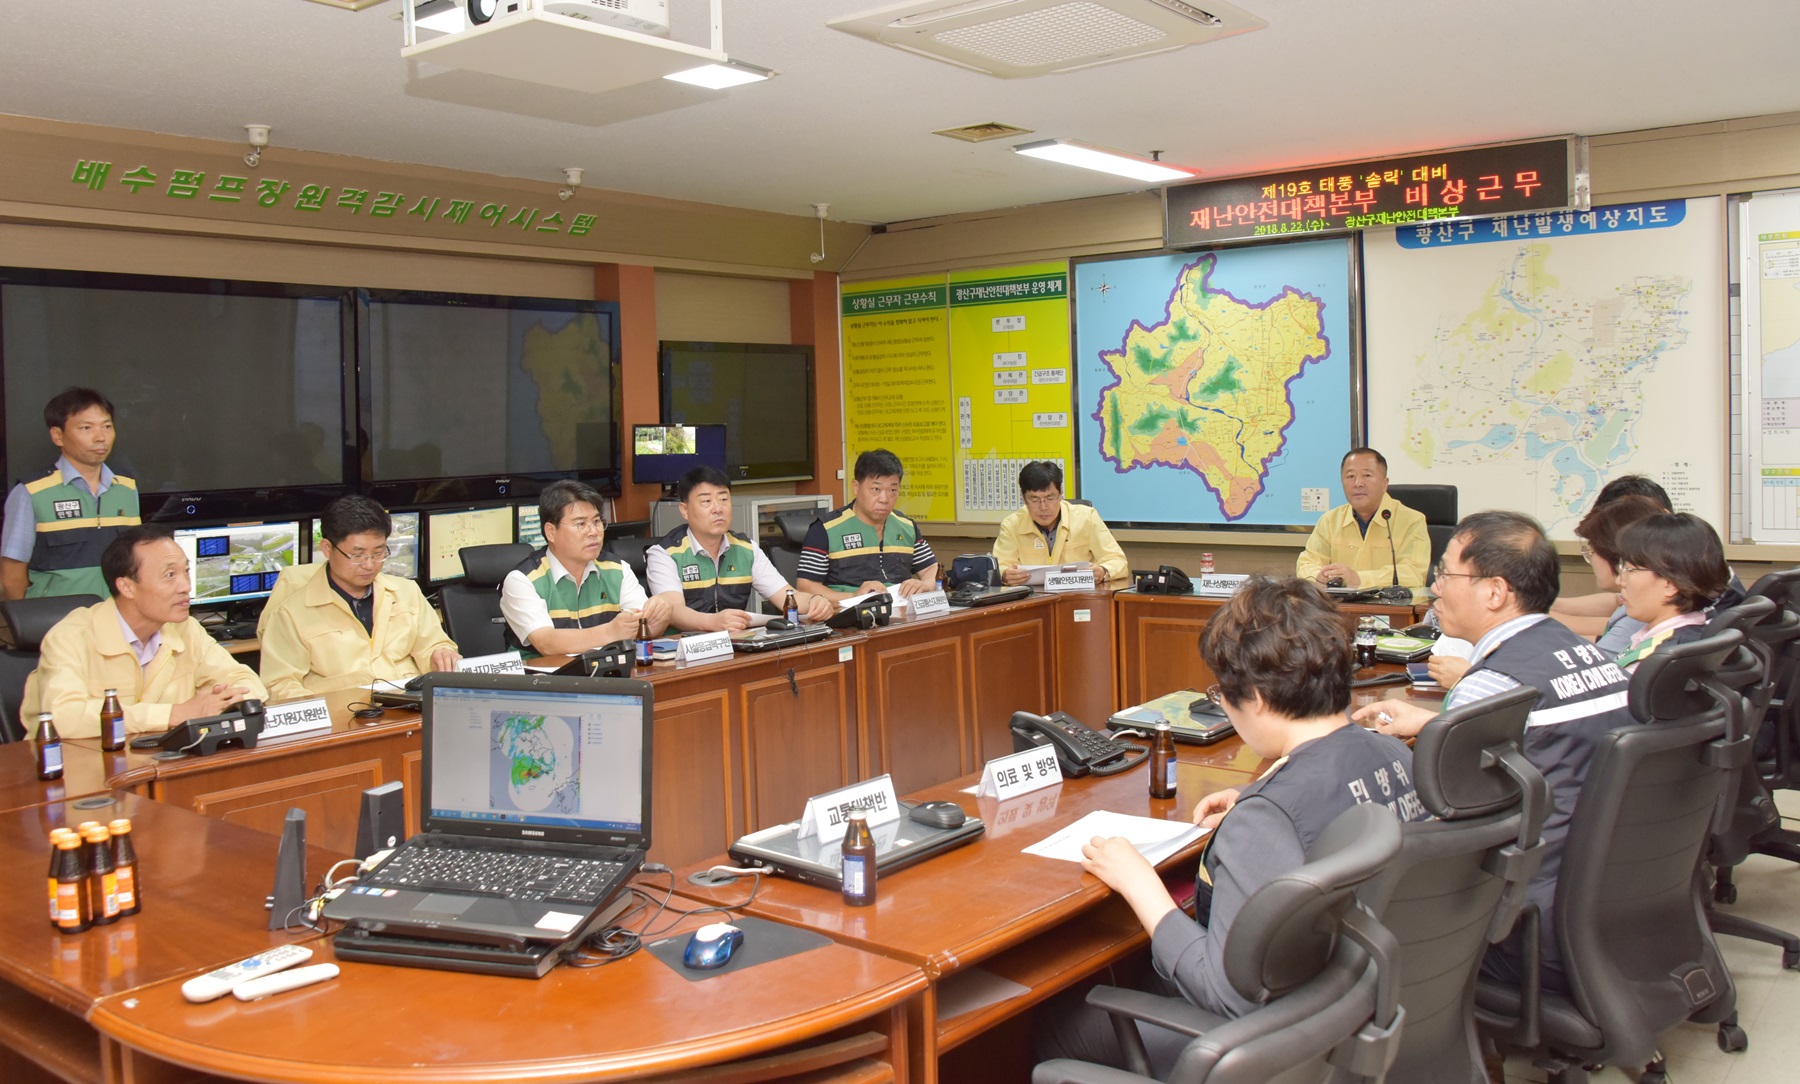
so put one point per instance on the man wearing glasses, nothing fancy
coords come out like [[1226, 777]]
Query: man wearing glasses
[[1051, 531], [1494, 588], [351, 624]]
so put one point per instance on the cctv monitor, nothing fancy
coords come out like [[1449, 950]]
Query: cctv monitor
[[402, 543], [238, 561], [661, 454], [448, 531]]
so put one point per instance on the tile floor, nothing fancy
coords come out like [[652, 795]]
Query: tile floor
[[1768, 997]]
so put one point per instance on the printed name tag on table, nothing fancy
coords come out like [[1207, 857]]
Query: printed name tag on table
[[703, 647], [828, 814], [1020, 773], [299, 717], [506, 662], [926, 603], [1069, 581]]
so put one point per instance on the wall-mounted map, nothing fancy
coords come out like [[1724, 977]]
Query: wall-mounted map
[[1215, 386]]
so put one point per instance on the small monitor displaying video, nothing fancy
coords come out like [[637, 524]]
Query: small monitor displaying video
[[239, 561], [661, 454], [403, 546], [447, 532]]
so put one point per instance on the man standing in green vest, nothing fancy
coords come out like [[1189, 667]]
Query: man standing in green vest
[[562, 600], [866, 546], [707, 574], [57, 526]]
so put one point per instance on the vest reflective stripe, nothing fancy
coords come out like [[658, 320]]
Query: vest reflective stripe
[[571, 607], [73, 528], [852, 560], [705, 587]]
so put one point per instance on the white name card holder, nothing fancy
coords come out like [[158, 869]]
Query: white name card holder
[[703, 647], [1069, 581], [1020, 773], [506, 662], [1219, 584], [299, 717], [930, 603], [828, 814]]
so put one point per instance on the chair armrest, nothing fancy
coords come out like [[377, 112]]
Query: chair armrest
[[1068, 1071], [1165, 1012]]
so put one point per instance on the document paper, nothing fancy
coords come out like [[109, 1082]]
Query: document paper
[[1154, 839]]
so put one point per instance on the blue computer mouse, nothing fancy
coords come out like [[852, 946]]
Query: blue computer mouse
[[711, 946]]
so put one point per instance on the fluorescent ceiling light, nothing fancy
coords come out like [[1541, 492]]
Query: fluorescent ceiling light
[[443, 16], [732, 73], [1072, 152]]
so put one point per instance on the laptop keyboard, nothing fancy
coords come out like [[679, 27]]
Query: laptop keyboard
[[447, 867]]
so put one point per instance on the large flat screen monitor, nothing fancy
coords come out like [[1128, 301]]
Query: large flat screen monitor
[[447, 532], [403, 546], [661, 454], [761, 393], [239, 561], [229, 396], [480, 398]]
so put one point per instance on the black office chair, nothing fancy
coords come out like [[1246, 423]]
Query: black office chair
[[472, 605], [28, 620], [1639, 955], [794, 523], [1459, 882], [1437, 503], [628, 528], [629, 551], [1780, 718], [1321, 966]]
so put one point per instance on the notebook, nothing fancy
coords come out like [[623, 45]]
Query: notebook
[[898, 844], [766, 639], [535, 810]]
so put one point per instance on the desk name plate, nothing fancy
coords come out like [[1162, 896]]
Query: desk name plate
[[1069, 581], [1020, 773], [827, 814], [506, 662], [929, 603], [299, 717], [703, 647]]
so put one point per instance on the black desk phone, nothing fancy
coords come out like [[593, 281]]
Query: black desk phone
[[1080, 750], [237, 727]]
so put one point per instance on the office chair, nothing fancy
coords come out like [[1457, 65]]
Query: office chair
[[629, 551], [1639, 955], [1780, 750], [1437, 503], [472, 604], [1321, 967], [1459, 882], [30, 620], [794, 523]]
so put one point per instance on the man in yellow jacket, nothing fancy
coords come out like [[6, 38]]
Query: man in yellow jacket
[[346, 623], [1051, 531], [1363, 542], [142, 643]]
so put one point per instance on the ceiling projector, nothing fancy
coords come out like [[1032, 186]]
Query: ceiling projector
[[637, 16]]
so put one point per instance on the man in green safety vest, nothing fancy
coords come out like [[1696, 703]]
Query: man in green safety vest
[[866, 546], [56, 526], [707, 574], [561, 600]]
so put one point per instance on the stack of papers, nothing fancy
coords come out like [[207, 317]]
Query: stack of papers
[[1154, 839]]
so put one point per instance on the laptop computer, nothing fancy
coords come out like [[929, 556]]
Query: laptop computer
[[898, 844], [535, 810], [766, 639], [1193, 718], [970, 594]]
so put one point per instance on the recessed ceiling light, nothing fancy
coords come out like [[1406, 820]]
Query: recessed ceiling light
[[1072, 152], [733, 73]]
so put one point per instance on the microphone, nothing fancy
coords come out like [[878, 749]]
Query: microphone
[[1387, 520]]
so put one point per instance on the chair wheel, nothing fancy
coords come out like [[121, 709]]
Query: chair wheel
[[1725, 893], [1732, 1039], [1790, 959]]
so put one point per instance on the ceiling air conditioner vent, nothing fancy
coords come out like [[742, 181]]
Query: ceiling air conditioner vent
[[1017, 38], [981, 133]]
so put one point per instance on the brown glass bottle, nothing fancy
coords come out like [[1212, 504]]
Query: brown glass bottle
[[71, 886], [49, 748], [56, 835], [112, 723], [103, 879], [125, 867], [1162, 762], [859, 862]]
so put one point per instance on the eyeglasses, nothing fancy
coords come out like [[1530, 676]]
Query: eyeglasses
[[1216, 694], [373, 557], [1624, 568], [1043, 502], [1438, 573], [1587, 552]]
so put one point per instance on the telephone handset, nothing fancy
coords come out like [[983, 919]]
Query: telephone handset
[[1079, 749]]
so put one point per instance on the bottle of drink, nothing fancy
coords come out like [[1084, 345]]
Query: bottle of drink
[[1365, 642], [103, 879], [81, 833], [793, 609], [112, 723], [125, 867], [643, 643], [859, 862], [49, 748], [56, 835], [1206, 564], [71, 887], [1162, 762]]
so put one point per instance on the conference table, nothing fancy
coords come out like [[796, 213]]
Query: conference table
[[739, 744]]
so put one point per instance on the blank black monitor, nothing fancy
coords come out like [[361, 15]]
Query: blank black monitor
[[761, 392], [661, 454]]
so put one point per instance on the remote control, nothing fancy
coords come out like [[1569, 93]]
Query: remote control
[[264, 985], [216, 984]]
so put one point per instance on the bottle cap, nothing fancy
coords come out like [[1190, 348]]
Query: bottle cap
[[68, 842], [120, 826], [58, 833], [96, 834], [112, 692], [45, 716], [85, 825]]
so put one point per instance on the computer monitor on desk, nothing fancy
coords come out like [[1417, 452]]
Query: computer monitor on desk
[[402, 544], [447, 532], [238, 562]]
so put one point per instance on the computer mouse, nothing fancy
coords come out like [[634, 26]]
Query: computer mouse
[[939, 814], [711, 947], [414, 683], [778, 624], [1335, 581]]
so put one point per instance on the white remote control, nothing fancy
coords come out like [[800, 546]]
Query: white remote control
[[287, 980], [216, 984]]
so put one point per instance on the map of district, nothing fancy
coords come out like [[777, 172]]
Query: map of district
[[534, 764], [1205, 387], [1538, 370]]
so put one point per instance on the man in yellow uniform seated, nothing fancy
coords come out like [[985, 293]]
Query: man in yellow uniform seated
[[141, 642], [1362, 542], [349, 624], [1051, 531]]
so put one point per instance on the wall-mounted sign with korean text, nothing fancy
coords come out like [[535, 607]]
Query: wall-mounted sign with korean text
[[1503, 179]]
